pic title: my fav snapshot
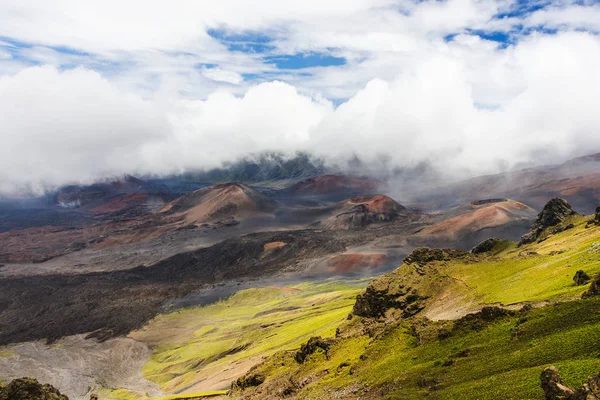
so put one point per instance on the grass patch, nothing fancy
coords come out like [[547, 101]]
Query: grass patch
[[489, 363], [201, 344]]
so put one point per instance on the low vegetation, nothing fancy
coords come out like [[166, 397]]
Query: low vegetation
[[201, 349], [539, 319]]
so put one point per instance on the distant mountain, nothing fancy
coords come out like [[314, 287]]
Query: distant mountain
[[361, 211], [221, 202], [577, 180], [335, 185], [262, 168]]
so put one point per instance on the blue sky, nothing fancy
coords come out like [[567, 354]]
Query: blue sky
[[239, 52]]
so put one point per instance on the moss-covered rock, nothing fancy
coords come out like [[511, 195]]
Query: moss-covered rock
[[247, 381], [486, 246], [310, 347], [30, 389], [596, 219], [424, 255], [553, 213], [594, 289], [555, 389], [406, 290], [581, 278]]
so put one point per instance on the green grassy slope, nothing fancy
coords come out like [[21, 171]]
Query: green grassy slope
[[466, 359], [201, 349], [491, 362]]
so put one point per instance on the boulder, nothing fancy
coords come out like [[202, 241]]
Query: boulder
[[30, 389], [553, 387], [485, 246], [553, 213], [581, 278], [313, 344], [594, 289], [247, 381], [596, 219], [424, 255]]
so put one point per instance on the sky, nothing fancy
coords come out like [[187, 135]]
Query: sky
[[92, 89]]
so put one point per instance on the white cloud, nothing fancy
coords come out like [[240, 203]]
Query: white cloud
[[71, 126], [140, 103], [220, 75]]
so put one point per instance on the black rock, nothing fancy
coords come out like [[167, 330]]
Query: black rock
[[581, 278], [485, 246], [553, 213], [594, 289]]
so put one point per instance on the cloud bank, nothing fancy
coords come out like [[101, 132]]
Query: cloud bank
[[407, 92]]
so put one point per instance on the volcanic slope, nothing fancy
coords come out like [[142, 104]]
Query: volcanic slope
[[454, 325], [577, 180], [335, 186], [509, 217], [361, 211], [221, 202]]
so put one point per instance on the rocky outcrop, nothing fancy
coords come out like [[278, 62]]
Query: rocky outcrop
[[485, 246], [314, 343], [30, 389], [596, 219], [594, 289], [247, 381], [555, 389], [424, 255], [361, 211], [554, 212], [581, 278], [408, 289]]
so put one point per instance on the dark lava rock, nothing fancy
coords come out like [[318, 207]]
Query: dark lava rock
[[581, 278], [560, 229], [425, 255], [311, 346], [594, 289], [112, 303], [248, 381], [555, 389], [30, 389], [553, 213], [485, 246], [373, 303], [596, 219], [477, 321]]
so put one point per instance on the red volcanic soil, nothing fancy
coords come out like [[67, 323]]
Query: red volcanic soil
[[479, 215], [378, 203], [121, 203], [336, 183], [273, 246], [355, 262], [571, 187], [220, 201]]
